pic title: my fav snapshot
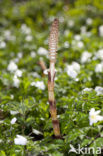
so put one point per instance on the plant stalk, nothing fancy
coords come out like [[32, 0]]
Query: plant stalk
[[53, 39]]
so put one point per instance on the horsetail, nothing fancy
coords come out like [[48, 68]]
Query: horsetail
[[53, 40]]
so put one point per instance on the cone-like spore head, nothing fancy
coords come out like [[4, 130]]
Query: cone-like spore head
[[53, 40]]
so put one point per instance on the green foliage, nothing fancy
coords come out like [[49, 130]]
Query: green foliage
[[24, 28]]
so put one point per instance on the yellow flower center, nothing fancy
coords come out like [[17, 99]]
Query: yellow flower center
[[93, 117]]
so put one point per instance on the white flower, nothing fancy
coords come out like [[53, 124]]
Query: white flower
[[12, 96], [33, 83], [80, 44], [73, 69], [13, 120], [20, 55], [86, 90], [76, 66], [72, 73], [42, 119], [7, 34], [99, 68], [42, 51], [99, 90], [70, 23], [77, 79], [2, 44], [38, 84], [99, 54], [94, 117], [89, 21], [1, 121], [18, 73], [77, 37], [85, 57], [20, 140], [83, 29], [1, 140], [25, 29], [101, 30], [16, 81], [12, 66], [66, 44], [13, 112], [46, 71], [32, 54], [36, 132], [28, 38]]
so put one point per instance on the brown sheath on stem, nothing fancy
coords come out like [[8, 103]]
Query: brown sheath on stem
[[53, 40]]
